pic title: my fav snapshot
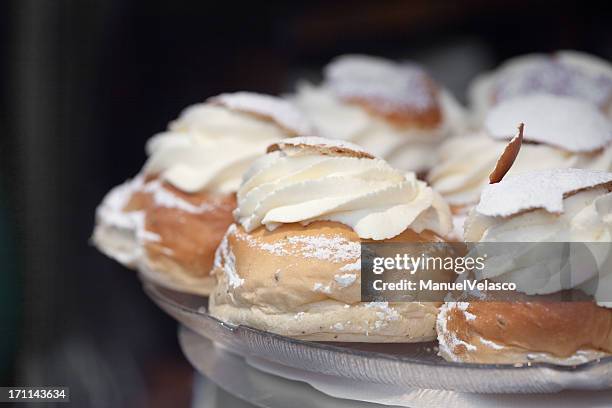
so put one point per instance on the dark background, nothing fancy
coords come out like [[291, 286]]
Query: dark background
[[85, 83]]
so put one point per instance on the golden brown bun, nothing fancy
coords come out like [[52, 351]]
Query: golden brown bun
[[524, 330], [183, 256], [304, 282]]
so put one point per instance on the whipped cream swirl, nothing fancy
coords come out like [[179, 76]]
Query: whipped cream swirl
[[375, 200], [209, 147]]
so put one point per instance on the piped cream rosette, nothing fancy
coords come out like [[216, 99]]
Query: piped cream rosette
[[168, 220], [395, 110], [291, 262]]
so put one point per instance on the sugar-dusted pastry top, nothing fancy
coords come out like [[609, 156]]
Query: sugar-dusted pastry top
[[320, 145], [567, 123], [556, 77], [394, 110], [211, 144], [564, 73], [308, 182], [268, 107], [390, 87], [546, 189]]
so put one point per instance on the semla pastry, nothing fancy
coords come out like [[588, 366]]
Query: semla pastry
[[559, 205], [170, 218], [559, 132], [564, 73], [291, 262], [394, 110]]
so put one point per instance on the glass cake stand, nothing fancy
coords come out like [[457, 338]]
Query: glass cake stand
[[230, 380], [411, 366]]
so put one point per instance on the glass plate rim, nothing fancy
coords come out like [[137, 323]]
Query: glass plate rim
[[152, 290]]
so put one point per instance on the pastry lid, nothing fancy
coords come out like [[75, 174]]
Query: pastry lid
[[269, 107], [321, 145], [567, 123], [388, 85], [543, 189], [508, 156]]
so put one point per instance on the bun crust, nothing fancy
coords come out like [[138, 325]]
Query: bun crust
[[182, 256], [523, 331], [304, 282], [405, 117], [316, 145]]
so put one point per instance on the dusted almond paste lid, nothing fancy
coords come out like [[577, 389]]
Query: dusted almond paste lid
[[567, 123], [276, 109], [321, 145], [544, 189], [393, 86]]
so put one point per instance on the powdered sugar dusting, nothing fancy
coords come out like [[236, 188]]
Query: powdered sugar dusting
[[145, 235], [491, 344], [537, 189], [315, 141], [125, 228], [391, 85], [335, 249], [338, 326], [447, 341], [230, 270], [568, 123], [379, 305], [346, 279], [355, 266], [319, 287], [110, 211], [165, 198], [463, 306], [226, 260], [551, 76], [384, 313], [279, 110], [276, 249]]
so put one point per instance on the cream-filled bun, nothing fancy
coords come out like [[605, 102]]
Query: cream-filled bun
[[561, 205], [394, 110], [291, 262], [559, 132], [170, 218], [565, 73]]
